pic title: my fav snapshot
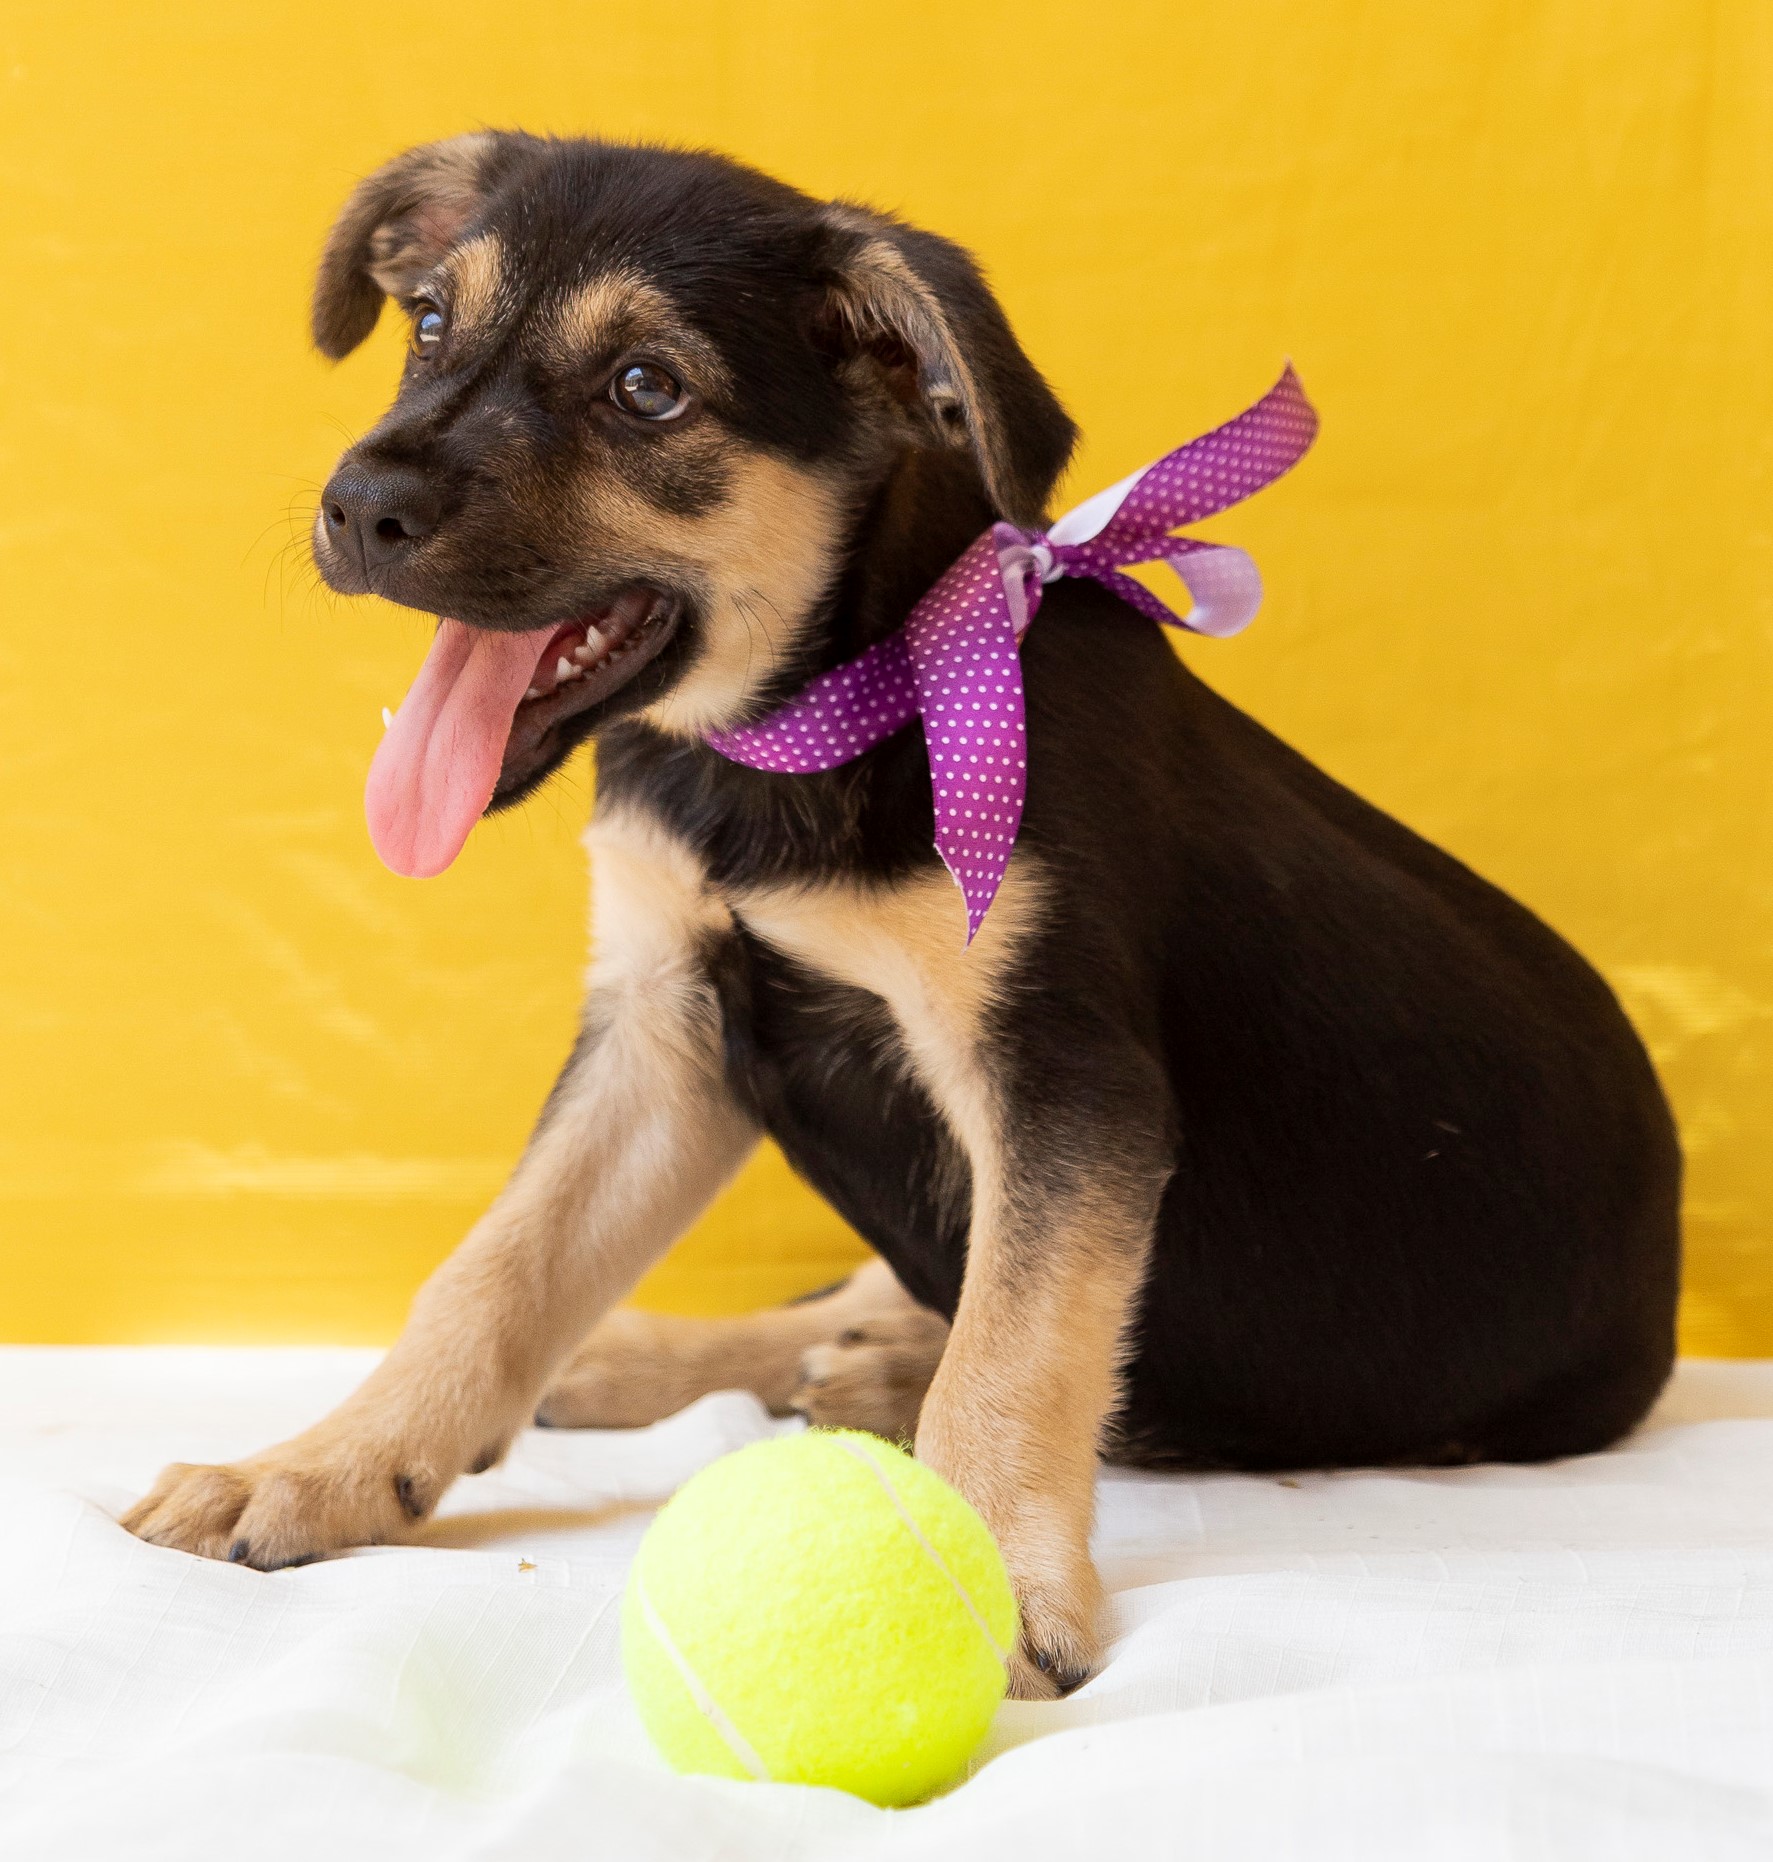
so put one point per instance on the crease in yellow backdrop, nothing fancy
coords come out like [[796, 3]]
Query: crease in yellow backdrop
[[253, 1086]]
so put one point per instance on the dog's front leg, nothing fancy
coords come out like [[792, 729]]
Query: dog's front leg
[[1063, 1215], [639, 1134]]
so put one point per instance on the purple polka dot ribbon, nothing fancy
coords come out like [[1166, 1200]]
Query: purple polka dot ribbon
[[955, 662]]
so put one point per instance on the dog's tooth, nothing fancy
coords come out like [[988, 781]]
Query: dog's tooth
[[595, 638], [564, 669], [387, 719], [535, 691]]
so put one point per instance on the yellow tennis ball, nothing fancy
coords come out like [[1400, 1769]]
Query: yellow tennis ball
[[819, 1609]]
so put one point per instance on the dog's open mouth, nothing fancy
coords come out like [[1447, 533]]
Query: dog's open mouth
[[487, 702]]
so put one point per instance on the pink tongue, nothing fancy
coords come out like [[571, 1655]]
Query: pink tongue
[[434, 773]]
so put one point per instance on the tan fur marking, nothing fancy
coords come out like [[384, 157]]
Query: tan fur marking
[[651, 904], [475, 273], [622, 310], [604, 310], [764, 557], [907, 944]]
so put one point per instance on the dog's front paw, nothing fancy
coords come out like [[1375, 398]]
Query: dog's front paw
[[1062, 1606], [287, 1506]]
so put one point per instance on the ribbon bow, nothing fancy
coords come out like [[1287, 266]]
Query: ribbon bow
[[954, 662]]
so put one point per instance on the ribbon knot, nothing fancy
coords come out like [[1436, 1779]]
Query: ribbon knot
[[955, 663]]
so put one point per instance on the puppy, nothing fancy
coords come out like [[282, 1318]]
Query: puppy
[[1251, 1132]]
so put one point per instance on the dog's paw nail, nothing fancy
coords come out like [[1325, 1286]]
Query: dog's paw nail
[[239, 1552], [1062, 1677]]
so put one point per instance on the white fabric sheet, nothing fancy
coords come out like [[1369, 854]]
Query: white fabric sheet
[[1562, 1662]]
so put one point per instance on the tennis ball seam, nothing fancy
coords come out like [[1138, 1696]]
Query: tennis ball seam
[[852, 1447], [706, 1705]]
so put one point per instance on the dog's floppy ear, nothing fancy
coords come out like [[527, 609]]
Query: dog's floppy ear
[[918, 302], [397, 224]]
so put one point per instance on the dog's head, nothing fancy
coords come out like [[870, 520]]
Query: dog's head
[[649, 397]]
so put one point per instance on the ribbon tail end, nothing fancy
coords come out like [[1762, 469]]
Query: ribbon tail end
[[976, 895], [1225, 587]]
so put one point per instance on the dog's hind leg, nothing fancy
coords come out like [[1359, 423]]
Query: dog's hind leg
[[858, 1356]]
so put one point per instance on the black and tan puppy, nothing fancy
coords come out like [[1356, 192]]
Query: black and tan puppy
[[1252, 1132]]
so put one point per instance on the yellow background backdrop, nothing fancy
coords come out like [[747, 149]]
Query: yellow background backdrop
[[253, 1086]]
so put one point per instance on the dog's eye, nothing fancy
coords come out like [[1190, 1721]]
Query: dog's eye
[[427, 330], [645, 389]]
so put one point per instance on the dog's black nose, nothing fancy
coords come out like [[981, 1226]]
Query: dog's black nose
[[379, 513]]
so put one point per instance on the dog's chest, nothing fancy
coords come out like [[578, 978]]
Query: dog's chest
[[862, 1028], [863, 1061], [885, 940], [905, 944]]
